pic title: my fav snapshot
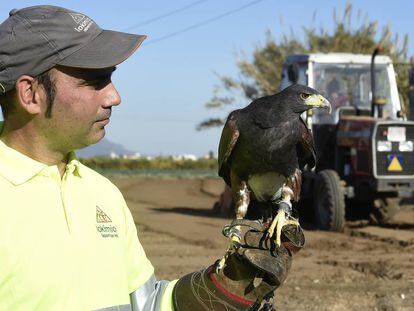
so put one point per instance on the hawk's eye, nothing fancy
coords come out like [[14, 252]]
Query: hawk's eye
[[304, 96]]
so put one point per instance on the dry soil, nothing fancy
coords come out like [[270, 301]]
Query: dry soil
[[364, 268]]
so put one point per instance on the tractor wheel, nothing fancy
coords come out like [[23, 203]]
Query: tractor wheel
[[329, 201], [224, 206], [223, 210], [383, 210]]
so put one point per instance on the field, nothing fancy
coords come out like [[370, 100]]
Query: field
[[364, 268]]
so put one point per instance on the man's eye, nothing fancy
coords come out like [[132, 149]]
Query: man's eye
[[97, 83], [304, 96]]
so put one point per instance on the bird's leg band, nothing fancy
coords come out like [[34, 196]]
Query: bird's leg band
[[241, 198], [286, 207], [282, 217], [234, 233], [230, 231]]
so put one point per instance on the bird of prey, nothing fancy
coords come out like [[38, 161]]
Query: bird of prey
[[263, 149]]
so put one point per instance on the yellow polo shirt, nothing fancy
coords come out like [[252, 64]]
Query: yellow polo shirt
[[65, 243]]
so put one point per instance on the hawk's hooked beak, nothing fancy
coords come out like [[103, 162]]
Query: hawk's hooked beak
[[318, 101]]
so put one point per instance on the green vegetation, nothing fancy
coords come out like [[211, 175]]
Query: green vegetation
[[261, 75], [159, 163]]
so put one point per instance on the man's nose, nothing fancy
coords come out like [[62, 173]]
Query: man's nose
[[112, 97]]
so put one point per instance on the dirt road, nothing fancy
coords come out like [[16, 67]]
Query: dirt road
[[364, 268]]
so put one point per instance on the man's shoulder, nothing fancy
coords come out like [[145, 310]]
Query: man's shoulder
[[4, 182], [92, 176]]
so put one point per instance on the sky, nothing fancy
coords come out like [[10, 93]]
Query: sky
[[166, 83]]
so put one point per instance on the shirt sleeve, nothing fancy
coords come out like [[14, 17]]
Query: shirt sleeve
[[153, 296], [167, 298]]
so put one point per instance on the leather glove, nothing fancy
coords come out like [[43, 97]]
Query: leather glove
[[251, 274]]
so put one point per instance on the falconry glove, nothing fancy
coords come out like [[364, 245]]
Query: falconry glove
[[251, 274]]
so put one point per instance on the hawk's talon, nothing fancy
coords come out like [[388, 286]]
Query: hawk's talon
[[233, 247], [278, 223], [234, 233], [268, 236]]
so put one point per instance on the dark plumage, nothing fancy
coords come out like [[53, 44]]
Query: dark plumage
[[268, 136], [263, 148]]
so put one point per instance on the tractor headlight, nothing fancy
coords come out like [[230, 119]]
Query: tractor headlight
[[406, 146], [383, 145]]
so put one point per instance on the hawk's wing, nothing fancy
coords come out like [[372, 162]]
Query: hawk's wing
[[305, 148], [228, 140]]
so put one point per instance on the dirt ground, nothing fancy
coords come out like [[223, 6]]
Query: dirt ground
[[364, 268]]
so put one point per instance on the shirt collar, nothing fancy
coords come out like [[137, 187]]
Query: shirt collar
[[19, 168], [73, 166]]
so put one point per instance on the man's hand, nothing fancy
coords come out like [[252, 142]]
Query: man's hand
[[251, 274]]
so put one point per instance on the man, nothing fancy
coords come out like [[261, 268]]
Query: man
[[68, 241]]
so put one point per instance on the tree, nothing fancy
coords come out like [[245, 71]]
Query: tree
[[261, 76]]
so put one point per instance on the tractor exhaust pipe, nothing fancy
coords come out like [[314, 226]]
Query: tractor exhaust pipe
[[374, 106], [411, 91]]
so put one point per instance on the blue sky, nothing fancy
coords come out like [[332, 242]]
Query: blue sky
[[165, 85]]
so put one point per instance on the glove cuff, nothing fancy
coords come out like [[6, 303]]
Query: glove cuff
[[223, 291], [202, 291]]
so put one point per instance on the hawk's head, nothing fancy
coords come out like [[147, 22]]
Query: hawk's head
[[301, 98]]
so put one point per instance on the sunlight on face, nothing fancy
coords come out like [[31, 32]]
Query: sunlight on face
[[82, 107]]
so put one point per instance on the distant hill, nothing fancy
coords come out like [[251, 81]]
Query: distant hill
[[103, 148]]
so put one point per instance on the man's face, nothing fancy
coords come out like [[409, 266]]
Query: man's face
[[81, 108]]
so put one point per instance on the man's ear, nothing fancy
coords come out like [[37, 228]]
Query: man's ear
[[29, 94]]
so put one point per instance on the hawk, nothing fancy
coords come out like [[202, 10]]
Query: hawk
[[263, 150]]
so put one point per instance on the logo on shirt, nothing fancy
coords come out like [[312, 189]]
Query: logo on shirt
[[104, 224], [101, 216]]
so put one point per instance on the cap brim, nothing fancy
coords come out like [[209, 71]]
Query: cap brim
[[108, 49]]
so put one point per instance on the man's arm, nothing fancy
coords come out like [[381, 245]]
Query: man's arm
[[247, 281], [252, 272]]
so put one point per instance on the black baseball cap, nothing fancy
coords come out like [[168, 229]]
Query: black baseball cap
[[35, 39]]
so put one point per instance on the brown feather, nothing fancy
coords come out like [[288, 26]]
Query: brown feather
[[228, 140]]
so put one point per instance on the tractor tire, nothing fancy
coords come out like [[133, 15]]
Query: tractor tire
[[329, 201], [383, 210], [224, 207], [223, 210]]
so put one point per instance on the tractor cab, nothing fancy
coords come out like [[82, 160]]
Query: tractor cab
[[345, 80], [365, 146]]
